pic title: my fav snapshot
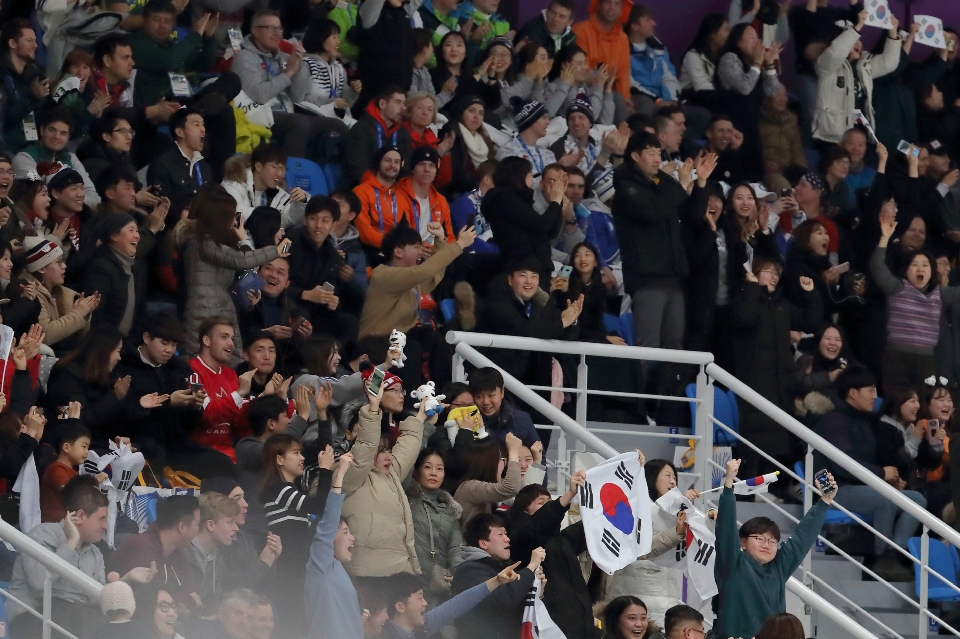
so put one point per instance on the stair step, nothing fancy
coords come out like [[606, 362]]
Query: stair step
[[871, 594]]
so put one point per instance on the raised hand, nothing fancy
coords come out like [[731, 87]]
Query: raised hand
[[572, 312], [245, 381], [121, 386], [325, 457], [323, 398], [153, 400], [70, 523], [508, 574], [536, 558], [806, 284], [466, 236], [705, 166], [682, 523], [732, 468], [640, 457]]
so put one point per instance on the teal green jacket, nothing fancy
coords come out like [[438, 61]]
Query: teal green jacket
[[194, 53], [751, 592]]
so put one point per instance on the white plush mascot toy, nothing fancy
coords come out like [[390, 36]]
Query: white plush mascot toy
[[397, 341], [427, 396]]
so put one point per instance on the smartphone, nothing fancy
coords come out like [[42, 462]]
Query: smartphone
[[825, 486], [904, 147], [933, 425], [376, 379], [63, 412], [786, 192], [295, 324], [327, 286], [566, 271], [284, 248], [194, 388], [843, 268]]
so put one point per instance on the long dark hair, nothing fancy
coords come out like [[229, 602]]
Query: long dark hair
[[441, 61], [512, 173], [316, 353], [482, 461], [563, 56], [709, 25], [93, 354], [733, 45], [596, 279], [424, 455], [214, 211], [652, 470], [895, 401], [275, 446], [613, 612]]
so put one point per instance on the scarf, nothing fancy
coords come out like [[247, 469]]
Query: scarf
[[126, 263], [476, 146]]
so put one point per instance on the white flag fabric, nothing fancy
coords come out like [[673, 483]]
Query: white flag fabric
[[696, 554], [125, 466], [537, 623], [755, 485], [931, 32], [28, 487], [878, 14], [615, 508]]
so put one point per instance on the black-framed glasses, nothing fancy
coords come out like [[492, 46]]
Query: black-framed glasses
[[129, 132], [166, 606]]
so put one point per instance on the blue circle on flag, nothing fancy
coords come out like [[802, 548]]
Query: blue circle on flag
[[930, 31], [616, 508], [881, 12]]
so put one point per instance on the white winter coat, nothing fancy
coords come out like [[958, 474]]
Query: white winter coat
[[835, 98]]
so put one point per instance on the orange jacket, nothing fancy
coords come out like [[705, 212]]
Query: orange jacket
[[439, 209], [382, 209], [611, 47]]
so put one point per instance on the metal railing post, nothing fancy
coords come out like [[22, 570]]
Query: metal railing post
[[582, 391], [704, 428], [924, 581], [459, 375], [47, 604], [807, 504]]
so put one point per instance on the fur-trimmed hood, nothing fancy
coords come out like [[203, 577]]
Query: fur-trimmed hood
[[438, 498], [815, 404]]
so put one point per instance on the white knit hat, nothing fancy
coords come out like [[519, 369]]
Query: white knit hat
[[117, 595]]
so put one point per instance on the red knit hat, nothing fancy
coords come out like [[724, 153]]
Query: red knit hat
[[389, 379]]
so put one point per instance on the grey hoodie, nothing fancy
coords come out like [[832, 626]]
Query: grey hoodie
[[206, 573], [262, 85]]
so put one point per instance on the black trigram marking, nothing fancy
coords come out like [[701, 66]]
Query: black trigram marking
[[704, 552], [682, 508], [624, 475], [90, 467], [610, 542], [639, 523], [125, 478], [681, 551], [586, 495]]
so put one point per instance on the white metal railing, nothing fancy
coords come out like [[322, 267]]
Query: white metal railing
[[704, 421], [57, 569]]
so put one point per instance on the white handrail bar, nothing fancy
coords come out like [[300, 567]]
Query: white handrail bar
[[27, 546], [812, 599], [833, 453], [579, 348], [544, 407]]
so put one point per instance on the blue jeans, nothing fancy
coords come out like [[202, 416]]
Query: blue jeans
[[864, 500]]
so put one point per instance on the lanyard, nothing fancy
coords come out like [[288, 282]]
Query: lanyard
[[380, 136], [537, 160], [376, 195], [269, 67], [196, 167], [416, 211]]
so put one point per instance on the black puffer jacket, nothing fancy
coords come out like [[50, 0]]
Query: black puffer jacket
[[519, 230], [646, 215], [105, 275]]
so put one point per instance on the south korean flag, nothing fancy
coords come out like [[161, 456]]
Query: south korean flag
[[615, 507], [930, 32], [696, 554]]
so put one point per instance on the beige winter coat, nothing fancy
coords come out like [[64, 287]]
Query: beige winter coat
[[57, 317], [477, 497], [376, 507]]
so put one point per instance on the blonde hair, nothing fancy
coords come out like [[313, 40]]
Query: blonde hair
[[418, 97], [214, 507]]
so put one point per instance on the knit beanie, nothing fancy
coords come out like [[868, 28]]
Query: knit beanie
[[378, 156], [117, 595], [580, 104], [58, 176], [815, 180], [389, 379], [424, 153], [526, 113], [222, 485], [40, 252], [113, 223]]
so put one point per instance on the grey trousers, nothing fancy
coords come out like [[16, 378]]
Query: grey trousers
[[658, 315]]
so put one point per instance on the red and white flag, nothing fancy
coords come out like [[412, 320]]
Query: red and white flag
[[537, 623]]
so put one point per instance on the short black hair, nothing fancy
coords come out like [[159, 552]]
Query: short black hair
[[719, 117], [478, 528], [855, 376], [176, 509], [566, 4], [256, 338], [159, 6], [163, 325], [373, 346], [82, 493], [760, 526], [512, 172], [318, 31], [263, 409], [388, 91], [399, 236], [527, 495], [640, 141], [106, 45], [106, 123], [348, 196], [113, 175], [13, 30], [179, 118], [678, 615], [422, 38], [319, 203], [263, 224], [68, 432], [58, 113], [266, 153], [485, 379], [399, 587]]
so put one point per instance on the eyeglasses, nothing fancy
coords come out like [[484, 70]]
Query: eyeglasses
[[395, 389], [765, 541], [129, 132], [6, 172], [271, 28], [166, 606], [772, 272]]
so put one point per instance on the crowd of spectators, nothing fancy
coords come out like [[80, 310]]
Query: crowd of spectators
[[169, 290]]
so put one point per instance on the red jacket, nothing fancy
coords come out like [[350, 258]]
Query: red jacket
[[223, 420]]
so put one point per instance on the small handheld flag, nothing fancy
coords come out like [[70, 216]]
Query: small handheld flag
[[755, 485]]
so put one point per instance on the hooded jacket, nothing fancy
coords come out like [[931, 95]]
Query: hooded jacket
[[382, 209], [262, 76], [207, 571], [354, 256], [835, 99], [499, 615], [439, 208], [376, 506], [610, 47], [436, 528], [369, 134]]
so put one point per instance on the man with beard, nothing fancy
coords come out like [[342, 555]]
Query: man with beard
[[182, 171], [6, 181], [24, 89], [382, 207], [725, 141]]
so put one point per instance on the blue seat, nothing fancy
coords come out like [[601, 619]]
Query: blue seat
[[833, 516], [307, 175], [945, 561], [724, 410], [877, 404], [447, 308], [3, 609], [626, 328], [334, 174], [813, 158], [611, 323]]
